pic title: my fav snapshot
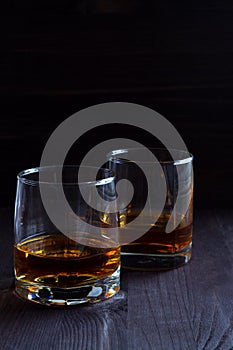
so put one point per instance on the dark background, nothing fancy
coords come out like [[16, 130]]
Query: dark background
[[175, 57]]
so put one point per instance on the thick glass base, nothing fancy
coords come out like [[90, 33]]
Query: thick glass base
[[52, 296], [154, 262]]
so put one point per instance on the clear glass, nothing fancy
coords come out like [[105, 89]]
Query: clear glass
[[156, 249], [65, 268]]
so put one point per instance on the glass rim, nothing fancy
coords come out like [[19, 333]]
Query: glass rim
[[183, 160], [21, 176]]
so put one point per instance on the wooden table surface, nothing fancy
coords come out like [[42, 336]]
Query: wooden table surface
[[185, 309]]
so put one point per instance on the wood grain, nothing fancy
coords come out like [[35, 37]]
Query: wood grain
[[25, 326], [190, 307], [187, 308]]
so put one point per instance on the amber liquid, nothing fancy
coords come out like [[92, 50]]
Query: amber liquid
[[55, 260], [157, 241]]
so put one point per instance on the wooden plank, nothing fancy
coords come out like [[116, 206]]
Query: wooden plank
[[187, 308], [25, 326], [190, 307]]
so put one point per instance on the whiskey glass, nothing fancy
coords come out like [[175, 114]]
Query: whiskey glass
[[79, 263], [162, 200]]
